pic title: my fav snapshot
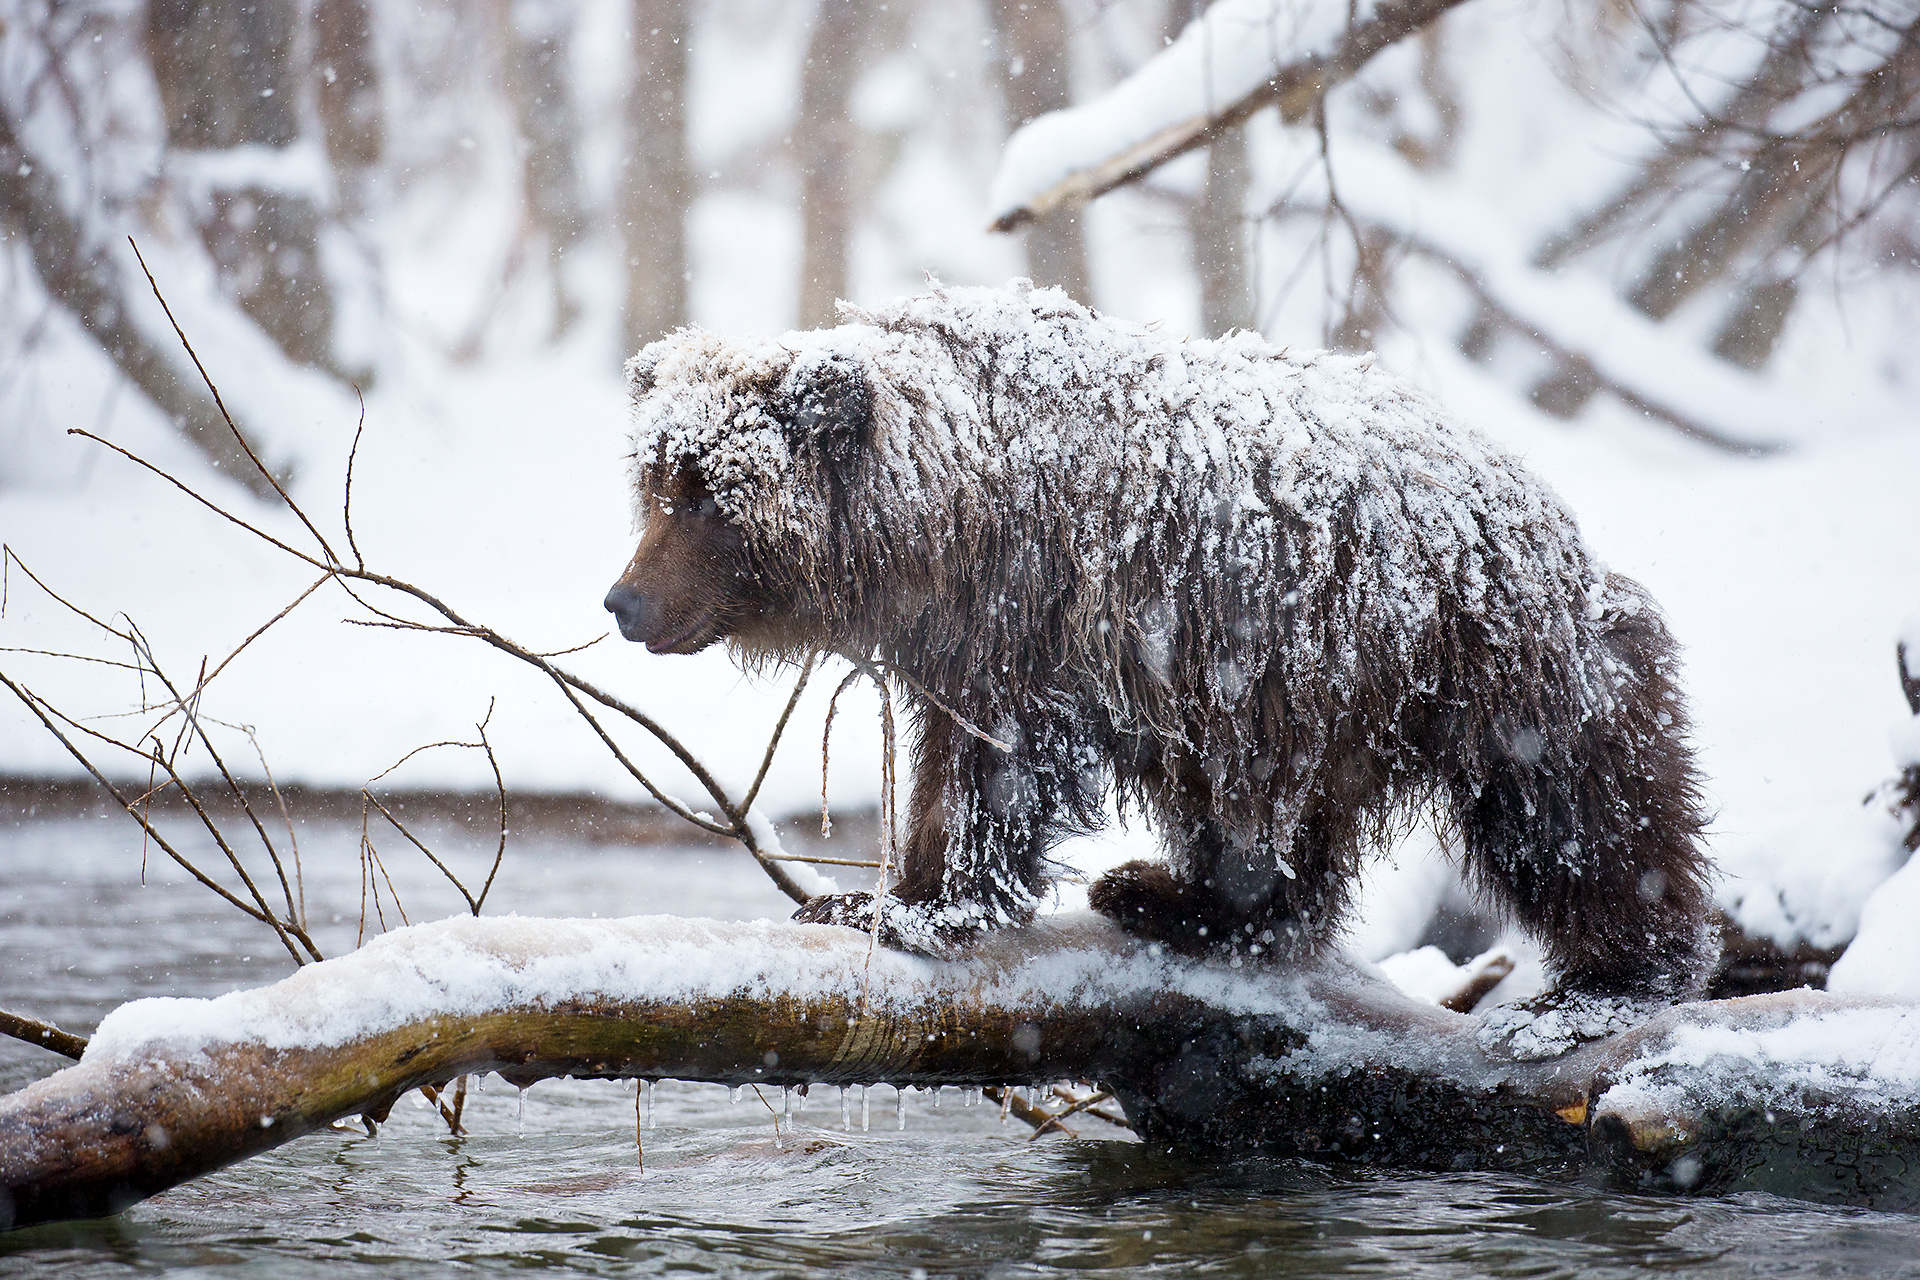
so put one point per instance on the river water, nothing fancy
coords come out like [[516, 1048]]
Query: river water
[[550, 1180]]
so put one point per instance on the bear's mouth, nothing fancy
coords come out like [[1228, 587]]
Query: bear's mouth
[[692, 639]]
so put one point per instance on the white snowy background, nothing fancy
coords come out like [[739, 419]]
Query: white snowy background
[[496, 481]]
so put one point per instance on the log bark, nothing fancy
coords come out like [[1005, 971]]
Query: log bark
[[1319, 1061]]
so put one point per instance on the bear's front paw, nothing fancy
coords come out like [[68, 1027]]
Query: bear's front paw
[[904, 926], [1558, 1021]]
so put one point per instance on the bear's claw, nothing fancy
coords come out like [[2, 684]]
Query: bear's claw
[[1558, 1021], [904, 926]]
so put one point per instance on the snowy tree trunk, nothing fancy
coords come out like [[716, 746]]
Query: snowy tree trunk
[[1036, 76], [1322, 1061], [656, 186], [228, 79], [347, 85], [1220, 238], [827, 146], [534, 40]]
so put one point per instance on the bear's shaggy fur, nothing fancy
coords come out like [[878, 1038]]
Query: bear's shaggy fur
[[1283, 603]]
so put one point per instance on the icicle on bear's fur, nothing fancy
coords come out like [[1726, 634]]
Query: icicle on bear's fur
[[1283, 603]]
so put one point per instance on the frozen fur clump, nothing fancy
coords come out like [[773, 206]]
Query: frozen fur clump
[[1283, 602]]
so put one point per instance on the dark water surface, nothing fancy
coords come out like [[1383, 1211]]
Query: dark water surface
[[550, 1180]]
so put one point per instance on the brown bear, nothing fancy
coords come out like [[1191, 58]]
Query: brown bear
[[1284, 604]]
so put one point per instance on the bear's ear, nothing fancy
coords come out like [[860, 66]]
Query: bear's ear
[[829, 406], [640, 369]]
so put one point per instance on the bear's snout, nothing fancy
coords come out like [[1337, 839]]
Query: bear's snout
[[638, 615]]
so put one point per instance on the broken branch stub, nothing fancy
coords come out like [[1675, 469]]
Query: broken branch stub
[[1319, 1061]]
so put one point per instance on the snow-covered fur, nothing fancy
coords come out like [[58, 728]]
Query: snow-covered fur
[[1284, 603]]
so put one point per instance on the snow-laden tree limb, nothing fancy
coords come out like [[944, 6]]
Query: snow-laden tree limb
[[1236, 58], [1321, 1061], [1576, 315], [79, 270]]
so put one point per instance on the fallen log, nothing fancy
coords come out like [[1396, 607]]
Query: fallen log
[[1324, 1061]]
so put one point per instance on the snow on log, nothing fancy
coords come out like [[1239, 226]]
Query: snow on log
[[1237, 57], [1322, 1061], [1800, 1093]]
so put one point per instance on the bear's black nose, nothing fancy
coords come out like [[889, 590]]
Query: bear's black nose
[[638, 616]]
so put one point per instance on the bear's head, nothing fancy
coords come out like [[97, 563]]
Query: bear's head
[[743, 453]]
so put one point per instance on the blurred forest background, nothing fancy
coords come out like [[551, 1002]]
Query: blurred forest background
[[479, 176]]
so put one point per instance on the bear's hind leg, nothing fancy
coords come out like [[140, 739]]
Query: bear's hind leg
[[1597, 857]]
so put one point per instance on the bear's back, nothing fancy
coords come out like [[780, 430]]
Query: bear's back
[[1135, 446]]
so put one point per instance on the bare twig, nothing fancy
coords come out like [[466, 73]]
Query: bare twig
[[134, 807], [44, 1034], [1011, 1103], [346, 501], [239, 437], [736, 821], [368, 800], [779, 729], [188, 709], [261, 630], [965, 725], [279, 927], [451, 1116], [888, 854], [1074, 1107], [819, 861], [473, 904], [500, 790], [1094, 1106], [826, 735]]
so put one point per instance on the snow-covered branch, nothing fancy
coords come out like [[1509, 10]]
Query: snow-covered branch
[[1236, 58]]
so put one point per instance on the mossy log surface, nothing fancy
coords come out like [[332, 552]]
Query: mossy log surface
[[1321, 1061]]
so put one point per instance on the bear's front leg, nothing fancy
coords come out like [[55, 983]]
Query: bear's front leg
[[977, 829]]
